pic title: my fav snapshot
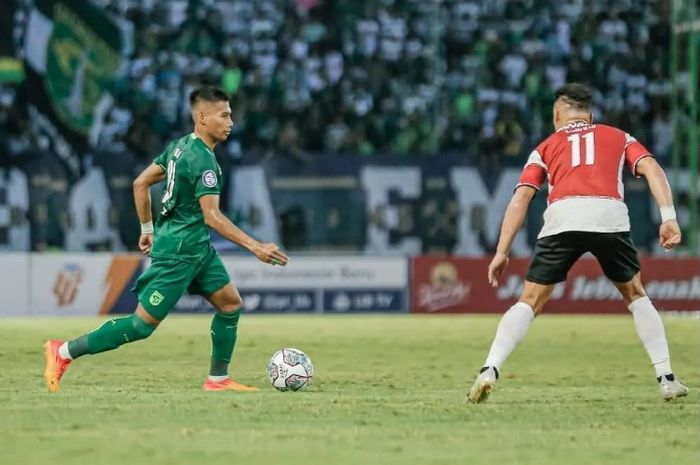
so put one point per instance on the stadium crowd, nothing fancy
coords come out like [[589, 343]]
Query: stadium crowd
[[408, 77]]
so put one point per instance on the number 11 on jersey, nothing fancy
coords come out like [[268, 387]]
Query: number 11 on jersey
[[170, 171], [170, 183], [575, 140]]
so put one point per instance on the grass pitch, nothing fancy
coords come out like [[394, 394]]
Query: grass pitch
[[387, 390]]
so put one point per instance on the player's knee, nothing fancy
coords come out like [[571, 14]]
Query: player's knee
[[237, 301], [233, 304], [535, 296], [140, 329], [537, 305], [631, 290], [630, 294]]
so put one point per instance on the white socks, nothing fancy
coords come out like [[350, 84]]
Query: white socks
[[216, 379], [63, 351], [650, 330], [511, 330]]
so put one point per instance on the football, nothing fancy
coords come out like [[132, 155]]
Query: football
[[290, 370]]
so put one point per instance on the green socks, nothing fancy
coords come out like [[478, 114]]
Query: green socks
[[111, 335], [118, 331], [224, 330]]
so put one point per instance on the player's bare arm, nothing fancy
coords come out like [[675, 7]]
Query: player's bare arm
[[669, 231], [268, 253], [512, 222], [153, 174]]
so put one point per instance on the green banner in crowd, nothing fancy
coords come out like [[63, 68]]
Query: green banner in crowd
[[82, 55], [80, 62]]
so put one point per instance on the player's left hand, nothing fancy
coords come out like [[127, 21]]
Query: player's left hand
[[497, 267], [669, 234], [270, 253], [145, 243]]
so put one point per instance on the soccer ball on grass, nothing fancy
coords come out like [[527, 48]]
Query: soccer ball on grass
[[290, 370]]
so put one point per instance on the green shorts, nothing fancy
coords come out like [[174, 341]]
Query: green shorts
[[161, 285]]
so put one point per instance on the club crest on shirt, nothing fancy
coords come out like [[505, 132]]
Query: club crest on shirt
[[156, 298], [209, 178]]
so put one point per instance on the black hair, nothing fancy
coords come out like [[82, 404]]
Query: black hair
[[207, 94], [577, 95]]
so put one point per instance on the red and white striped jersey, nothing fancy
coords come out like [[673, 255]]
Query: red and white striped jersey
[[583, 165]]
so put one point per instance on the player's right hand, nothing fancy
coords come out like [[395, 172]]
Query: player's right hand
[[669, 234], [497, 267], [270, 253]]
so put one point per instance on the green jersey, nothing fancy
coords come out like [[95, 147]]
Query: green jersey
[[191, 171]]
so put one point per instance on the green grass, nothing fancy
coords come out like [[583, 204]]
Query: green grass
[[387, 390]]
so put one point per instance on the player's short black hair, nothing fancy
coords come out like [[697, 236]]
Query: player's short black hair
[[207, 94], [575, 94]]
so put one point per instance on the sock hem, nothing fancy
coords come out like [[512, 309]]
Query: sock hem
[[525, 306], [636, 303]]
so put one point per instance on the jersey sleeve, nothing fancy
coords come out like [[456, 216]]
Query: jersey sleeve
[[207, 176], [534, 173], [634, 151], [161, 160]]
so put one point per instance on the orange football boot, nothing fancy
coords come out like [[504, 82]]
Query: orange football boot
[[227, 385], [55, 364]]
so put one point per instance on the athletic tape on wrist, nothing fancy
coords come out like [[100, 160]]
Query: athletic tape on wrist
[[667, 213], [147, 228]]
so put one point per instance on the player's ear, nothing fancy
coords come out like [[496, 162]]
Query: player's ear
[[196, 116]]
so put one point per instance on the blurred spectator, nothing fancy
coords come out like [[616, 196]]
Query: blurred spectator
[[413, 77]]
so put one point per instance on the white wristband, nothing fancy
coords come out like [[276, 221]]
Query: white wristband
[[667, 213], [147, 228]]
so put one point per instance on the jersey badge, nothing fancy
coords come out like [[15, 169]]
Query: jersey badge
[[209, 178]]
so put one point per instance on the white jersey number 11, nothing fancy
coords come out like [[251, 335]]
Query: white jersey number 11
[[575, 140]]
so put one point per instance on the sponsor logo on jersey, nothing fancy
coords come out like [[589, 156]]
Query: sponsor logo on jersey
[[156, 298], [209, 178]]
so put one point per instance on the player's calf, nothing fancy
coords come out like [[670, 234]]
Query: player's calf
[[650, 329], [511, 330], [112, 334]]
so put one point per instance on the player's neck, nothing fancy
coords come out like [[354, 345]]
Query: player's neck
[[208, 141], [573, 120]]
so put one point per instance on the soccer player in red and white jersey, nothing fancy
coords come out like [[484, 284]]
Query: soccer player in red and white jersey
[[582, 163]]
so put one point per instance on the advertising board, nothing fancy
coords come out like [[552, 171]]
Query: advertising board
[[460, 285]]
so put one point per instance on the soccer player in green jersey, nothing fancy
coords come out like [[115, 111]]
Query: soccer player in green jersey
[[183, 258]]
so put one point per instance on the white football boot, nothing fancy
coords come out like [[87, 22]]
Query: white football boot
[[483, 385], [671, 389]]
